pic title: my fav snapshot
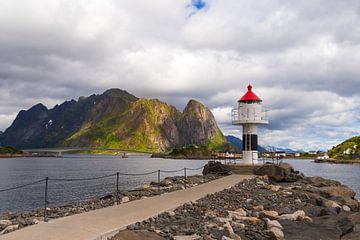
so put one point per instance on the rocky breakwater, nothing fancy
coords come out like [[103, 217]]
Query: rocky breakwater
[[10, 221], [284, 204]]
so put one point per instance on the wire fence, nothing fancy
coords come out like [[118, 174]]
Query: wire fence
[[46, 181]]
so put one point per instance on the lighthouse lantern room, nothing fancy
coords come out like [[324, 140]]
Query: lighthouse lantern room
[[249, 114]]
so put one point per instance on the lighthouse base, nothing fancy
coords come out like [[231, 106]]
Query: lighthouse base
[[250, 157]]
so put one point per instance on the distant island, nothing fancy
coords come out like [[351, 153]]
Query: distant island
[[9, 151], [346, 152]]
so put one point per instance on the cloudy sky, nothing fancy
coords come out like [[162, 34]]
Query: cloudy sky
[[302, 58]]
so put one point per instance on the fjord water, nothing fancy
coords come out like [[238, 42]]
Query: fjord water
[[19, 171], [348, 174]]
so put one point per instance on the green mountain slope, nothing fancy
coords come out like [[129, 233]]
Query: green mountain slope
[[114, 119], [349, 149]]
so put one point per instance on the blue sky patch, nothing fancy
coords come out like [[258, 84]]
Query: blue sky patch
[[199, 4]]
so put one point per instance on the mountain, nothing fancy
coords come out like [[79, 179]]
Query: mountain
[[239, 143], [280, 149], [114, 119], [198, 126], [349, 149]]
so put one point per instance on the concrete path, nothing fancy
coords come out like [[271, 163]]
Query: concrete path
[[101, 223]]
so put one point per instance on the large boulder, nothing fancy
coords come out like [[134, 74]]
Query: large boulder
[[213, 167], [322, 182], [279, 173], [342, 191], [355, 233], [304, 230], [348, 201]]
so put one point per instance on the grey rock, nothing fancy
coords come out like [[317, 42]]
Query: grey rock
[[273, 224], [269, 214], [10, 228], [184, 237], [278, 233], [213, 167], [5, 223], [346, 208], [125, 199], [278, 173]]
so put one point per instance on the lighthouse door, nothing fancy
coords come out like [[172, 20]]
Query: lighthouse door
[[247, 142]]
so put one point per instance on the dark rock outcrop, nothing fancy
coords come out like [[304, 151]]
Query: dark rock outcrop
[[213, 167], [280, 173]]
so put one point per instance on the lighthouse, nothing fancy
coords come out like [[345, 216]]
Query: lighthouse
[[249, 114]]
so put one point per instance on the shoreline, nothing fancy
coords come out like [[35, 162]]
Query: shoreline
[[336, 161], [12, 221], [18, 155]]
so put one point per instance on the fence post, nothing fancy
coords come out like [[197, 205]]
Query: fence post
[[117, 187], [158, 183], [46, 199], [185, 177]]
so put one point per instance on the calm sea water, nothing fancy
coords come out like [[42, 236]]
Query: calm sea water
[[18, 171], [348, 174]]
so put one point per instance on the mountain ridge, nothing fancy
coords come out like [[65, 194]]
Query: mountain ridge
[[238, 143], [115, 119]]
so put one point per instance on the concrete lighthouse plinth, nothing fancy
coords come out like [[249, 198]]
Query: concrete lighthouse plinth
[[249, 114]]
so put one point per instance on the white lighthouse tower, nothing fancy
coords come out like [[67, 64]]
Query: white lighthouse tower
[[249, 114]]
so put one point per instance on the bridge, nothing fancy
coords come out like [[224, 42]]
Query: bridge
[[58, 152]]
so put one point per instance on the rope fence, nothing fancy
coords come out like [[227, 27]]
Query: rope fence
[[47, 180]]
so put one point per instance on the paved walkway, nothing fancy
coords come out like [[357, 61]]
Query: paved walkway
[[103, 222]]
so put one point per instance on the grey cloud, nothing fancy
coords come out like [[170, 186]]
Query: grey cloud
[[58, 50]]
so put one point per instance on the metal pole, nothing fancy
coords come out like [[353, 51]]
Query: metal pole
[[158, 181], [185, 177], [117, 187], [46, 199]]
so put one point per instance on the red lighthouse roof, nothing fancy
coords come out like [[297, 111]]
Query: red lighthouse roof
[[249, 96]]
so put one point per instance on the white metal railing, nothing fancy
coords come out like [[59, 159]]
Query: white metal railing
[[235, 116]]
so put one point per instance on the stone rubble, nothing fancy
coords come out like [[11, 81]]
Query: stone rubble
[[255, 209]]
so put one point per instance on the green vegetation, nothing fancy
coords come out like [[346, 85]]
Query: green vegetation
[[347, 150], [190, 151], [308, 155], [217, 143], [136, 128], [10, 150]]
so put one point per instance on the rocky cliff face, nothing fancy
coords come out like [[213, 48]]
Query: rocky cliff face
[[198, 126], [27, 125], [114, 119]]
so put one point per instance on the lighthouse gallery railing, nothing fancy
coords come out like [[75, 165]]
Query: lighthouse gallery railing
[[235, 116]]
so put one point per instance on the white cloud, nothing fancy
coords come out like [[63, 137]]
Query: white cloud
[[302, 58]]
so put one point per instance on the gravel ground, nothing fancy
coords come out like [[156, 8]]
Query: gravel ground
[[260, 208]]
